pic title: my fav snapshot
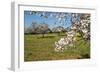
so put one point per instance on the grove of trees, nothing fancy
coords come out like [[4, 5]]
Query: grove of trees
[[80, 22]]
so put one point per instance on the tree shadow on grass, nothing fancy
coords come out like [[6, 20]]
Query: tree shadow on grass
[[46, 37], [84, 56]]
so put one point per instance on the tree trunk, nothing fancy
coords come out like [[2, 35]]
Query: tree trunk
[[43, 35]]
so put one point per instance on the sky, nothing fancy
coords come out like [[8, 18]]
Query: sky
[[52, 19]]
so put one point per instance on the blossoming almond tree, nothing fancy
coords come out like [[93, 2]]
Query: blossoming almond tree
[[81, 25]]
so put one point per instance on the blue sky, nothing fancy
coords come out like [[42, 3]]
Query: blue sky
[[51, 21]]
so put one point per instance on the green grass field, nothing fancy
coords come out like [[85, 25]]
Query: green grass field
[[37, 48]]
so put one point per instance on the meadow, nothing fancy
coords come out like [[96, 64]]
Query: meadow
[[37, 48]]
